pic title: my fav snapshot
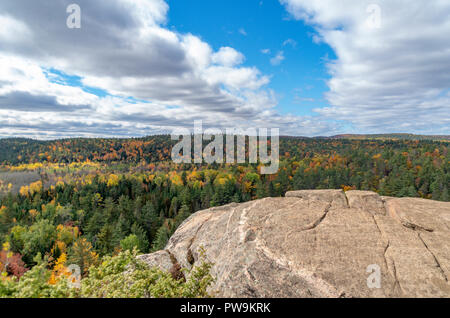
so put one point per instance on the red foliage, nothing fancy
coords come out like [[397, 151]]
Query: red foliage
[[14, 264]]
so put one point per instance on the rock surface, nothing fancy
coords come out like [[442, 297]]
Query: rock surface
[[323, 243]]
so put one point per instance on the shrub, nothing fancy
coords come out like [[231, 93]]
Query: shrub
[[121, 276]]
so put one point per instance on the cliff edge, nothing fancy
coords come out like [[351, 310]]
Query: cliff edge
[[321, 243]]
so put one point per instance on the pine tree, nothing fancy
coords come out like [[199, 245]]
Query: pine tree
[[105, 240], [161, 239], [261, 191], [141, 236], [183, 214], [82, 254], [130, 242]]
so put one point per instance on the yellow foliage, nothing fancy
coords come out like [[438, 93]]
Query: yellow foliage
[[113, 180], [31, 189], [248, 187], [176, 180], [33, 213], [6, 246], [67, 234], [24, 190], [378, 156], [194, 176], [348, 188], [59, 270], [29, 167], [35, 187]]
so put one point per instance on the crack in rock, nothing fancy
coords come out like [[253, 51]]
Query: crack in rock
[[416, 227], [312, 226], [394, 269], [323, 287], [189, 254], [393, 273], [434, 257], [175, 271]]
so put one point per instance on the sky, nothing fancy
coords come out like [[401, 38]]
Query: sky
[[309, 68]]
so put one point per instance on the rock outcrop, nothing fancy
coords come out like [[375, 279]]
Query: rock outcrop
[[323, 243]]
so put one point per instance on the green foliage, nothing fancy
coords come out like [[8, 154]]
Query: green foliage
[[124, 276], [37, 239], [162, 236], [105, 240], [141, 235], [81, 253], [130, 242], [35, 284], [121, 276]]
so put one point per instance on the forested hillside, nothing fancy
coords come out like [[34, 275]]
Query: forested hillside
[[76, 201], [395, 137]]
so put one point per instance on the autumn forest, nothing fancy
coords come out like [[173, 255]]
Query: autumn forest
[[95, 202]]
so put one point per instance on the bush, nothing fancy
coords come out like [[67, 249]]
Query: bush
[[124, 276], [121, 276], [129, 243]]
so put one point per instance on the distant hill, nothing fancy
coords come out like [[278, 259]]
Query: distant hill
[[393, 137], [158, 148]]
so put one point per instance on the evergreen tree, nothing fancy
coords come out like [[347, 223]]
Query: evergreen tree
[[141, 236], [105, 242], [82, 254], [161, 239]]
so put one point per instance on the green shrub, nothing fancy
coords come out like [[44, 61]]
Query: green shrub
[[121, 276]]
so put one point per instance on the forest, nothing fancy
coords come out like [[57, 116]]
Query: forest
[[97, 203]]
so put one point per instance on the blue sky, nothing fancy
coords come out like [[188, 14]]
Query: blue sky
[[252, 26], [309, 68]]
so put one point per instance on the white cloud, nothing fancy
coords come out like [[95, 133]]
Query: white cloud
[[228, 56], [290, 42], [12, 30], [277, 59], [395, 78], [243, 32], [123, 48], [265, 51], [392, 78]]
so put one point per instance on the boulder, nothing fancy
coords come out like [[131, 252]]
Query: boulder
[[323, 243]]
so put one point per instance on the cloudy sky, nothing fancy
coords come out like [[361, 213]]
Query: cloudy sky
[[310, 68]]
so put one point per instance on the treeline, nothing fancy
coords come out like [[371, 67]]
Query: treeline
[[394, 168], [395, 137], [23, 151], [152, 149]]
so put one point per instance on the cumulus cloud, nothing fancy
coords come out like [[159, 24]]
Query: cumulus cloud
[[227, 56], [394, 77], [153, 79], [392, 71]]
